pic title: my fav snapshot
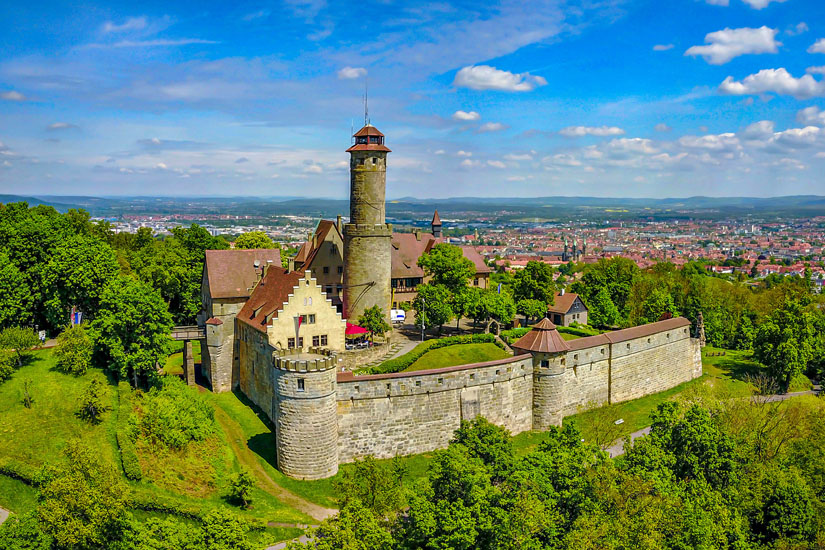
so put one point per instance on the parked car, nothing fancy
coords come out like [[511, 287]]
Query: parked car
[[398, 315]]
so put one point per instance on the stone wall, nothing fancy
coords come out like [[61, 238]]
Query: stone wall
[[407, 413], [218, 358]]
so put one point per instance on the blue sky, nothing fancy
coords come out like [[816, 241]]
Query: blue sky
[[623, 98]]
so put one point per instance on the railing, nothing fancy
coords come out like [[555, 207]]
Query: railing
[[191, 332]]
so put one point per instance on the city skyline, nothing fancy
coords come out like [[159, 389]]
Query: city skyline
[[598, 98]]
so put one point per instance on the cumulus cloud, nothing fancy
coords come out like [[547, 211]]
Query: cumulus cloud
[[811, 116], [758, 130], [313, 169], [662, 47], [759, 4], [520, 157], [818, 46], [601, 131], [11, 95], [485, 77], [464, 154], [466, 115], [131, 24], [778, 81], [492, 127], [60, 126], [712, 142], [662, 127], [724, 45], [496, 164], [799, 28], [795, 138], [816, 70], [632, 145], [469, 163], [349, 73]]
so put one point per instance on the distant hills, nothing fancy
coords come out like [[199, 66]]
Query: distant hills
[[505, 209]]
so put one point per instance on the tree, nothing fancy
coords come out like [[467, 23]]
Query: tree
[[493, 306], [76, 275], [534, 282], [20, 340], [14, 294], [447, 266], [74, 350], [23, 533], [240, 487], [601, 311], [254, 239], [657, 304], [82, 504], [374, 321], [432, 305], [222, 530], [131, 329], [785, 342], [377, 486], [531, 308], [91, 403], [465, 302], [616, 274]]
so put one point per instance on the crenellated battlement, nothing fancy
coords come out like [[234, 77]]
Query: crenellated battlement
[[298, 360]]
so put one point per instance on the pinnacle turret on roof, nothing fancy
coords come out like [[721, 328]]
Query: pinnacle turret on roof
[[436, 218]]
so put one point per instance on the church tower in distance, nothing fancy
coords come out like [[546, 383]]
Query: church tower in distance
[[367, 236]]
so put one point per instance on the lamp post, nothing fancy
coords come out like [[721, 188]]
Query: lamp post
[[423, 316]]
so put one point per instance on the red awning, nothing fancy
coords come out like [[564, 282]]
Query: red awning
[[355, 329]]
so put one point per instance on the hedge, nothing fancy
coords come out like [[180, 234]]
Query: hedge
[[17, 470], [156, 503], [510, 336], [400, 363], [128, 456]]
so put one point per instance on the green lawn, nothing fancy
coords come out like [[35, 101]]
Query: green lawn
[[459, 354], [174, 363]]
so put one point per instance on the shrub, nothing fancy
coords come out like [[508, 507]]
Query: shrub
[[17, 470], [128, 456], [20, 340], [175, 414], [513, 334], [7, 362], [91, 403], [400, 363], [74, 350], [240, 487]]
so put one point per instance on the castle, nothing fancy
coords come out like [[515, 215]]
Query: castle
[[277, 335]]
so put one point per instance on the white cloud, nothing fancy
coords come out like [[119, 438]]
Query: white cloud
[[562, 159], [516, 178], [496, 164], [439, 152], [818, 46], [131, 24], [161, 166], [811, 116], [464, 154], [759, 4], [492, 127], [728, 43], [11, 95], [155, 43], [816, 70], [468, 163], [313, 169], [260, 14], [662, 47], [759, 130], [796, 138], [717, 2], [517, 158], [662, 127], [466, 116], [632, 145], [349, 73], [799, 28], [485, 77], [778, 81], [601, 131], [711, 142], [60, 126]]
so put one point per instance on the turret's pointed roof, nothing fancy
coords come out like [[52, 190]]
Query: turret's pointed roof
[[436, 218], [368, 130], [369, 138], [544, 338]]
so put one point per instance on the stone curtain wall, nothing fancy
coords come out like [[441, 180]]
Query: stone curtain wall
[[402, 414]]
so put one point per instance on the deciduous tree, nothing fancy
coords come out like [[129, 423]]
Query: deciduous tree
[[74, 350], [448, 267], [254, 239], [374, 321]]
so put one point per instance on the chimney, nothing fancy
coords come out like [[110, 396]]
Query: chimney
[[266, 268], [290, 266], [561, 293], [338, 224], [315, 241], [258, 271], [417, 234]]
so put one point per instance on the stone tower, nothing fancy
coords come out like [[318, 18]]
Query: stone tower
[[367, 236], [436, 225]]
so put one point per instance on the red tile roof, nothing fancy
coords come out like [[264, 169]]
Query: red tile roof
[[436, 219], [562, 303], [232, 273], [406, 250], [368, 130], [544, 338], [268, 297]]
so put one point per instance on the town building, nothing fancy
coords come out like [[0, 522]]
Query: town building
[[567, 308]]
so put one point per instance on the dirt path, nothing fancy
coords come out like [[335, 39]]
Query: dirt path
[[238, 442], [4, 515]]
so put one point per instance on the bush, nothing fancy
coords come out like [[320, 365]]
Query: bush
[[17, 470], [7, 362], [128, 456], [400, 363], [513, 334], [74, 350], [20, 340], [175, 414]]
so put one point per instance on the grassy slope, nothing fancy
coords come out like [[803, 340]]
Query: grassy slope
[[459, 354]]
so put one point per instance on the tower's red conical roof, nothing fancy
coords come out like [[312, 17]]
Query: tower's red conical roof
[[544, 338]]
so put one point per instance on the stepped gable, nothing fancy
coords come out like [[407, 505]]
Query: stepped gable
[[544, 338], [268, 297], [232, 273]]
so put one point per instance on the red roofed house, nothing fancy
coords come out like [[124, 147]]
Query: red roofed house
[[228, 279], [567, 308], [323, 253]]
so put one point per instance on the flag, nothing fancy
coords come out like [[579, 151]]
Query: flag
[[499, 288]]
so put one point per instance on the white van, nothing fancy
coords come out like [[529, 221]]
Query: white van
[[398, 315]]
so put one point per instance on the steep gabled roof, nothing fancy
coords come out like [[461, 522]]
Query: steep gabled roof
[[231, 273], [436, 218], [268, 297], [563, 302], [543, 338], [321, 232]]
